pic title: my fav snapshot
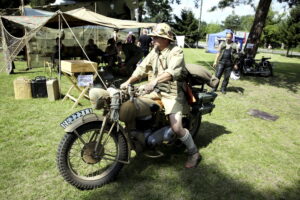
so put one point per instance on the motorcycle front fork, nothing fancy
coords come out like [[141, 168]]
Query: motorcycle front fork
[[98, 136]]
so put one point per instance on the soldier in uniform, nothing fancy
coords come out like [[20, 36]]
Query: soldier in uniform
[[226, 60], [133, 54], [167, 64], [93, 51]]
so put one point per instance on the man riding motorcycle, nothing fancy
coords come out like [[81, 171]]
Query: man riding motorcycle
[[166, 63]]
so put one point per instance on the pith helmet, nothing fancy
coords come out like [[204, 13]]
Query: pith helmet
[[162, 30]]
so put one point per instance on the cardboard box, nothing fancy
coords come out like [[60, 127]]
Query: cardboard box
[[77, 66]]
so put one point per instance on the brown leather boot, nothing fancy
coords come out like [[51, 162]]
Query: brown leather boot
[[193, 160]]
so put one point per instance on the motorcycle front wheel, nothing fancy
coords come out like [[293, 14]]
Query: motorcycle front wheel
[[82, 166]]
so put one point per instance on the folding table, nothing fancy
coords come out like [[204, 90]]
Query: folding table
[[72, 68]]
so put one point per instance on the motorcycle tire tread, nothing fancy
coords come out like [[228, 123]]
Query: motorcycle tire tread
[[81, 184]]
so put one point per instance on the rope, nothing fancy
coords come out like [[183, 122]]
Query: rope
[[84, 51]]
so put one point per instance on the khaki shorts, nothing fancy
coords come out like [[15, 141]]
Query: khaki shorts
[[171, 104]]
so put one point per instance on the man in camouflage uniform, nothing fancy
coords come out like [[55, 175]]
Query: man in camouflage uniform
[[167, 65], [226, 60]]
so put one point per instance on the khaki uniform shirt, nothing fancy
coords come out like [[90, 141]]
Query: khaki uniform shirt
[[169, 60]]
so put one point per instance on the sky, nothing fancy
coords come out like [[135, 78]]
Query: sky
[[219, 15]]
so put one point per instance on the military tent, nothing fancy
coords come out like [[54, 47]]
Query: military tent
[[12, 45], [213, 40]]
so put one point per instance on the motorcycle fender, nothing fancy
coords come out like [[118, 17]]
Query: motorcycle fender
[[83, 120]]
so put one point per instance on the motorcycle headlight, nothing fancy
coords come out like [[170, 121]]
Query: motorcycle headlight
[[99, 98]]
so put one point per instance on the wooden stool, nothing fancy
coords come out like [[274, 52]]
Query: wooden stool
[[48, 65]]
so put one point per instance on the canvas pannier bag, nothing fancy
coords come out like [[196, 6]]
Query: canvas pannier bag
[[198, 75]]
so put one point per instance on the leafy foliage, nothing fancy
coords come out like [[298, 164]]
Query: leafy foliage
[[234, 3], [40, 2], [246, 22], [11, 4], [238, 23], [187, 25], [159, 11], [213, 28], [271, 31], [289, 29], [232, 22]]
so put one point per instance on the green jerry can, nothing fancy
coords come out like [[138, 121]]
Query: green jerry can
[[52, 89]]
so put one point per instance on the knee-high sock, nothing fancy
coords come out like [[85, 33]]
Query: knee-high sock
[[188, 141]]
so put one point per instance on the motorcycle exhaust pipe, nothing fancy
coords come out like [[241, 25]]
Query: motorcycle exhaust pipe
[[206, 108]]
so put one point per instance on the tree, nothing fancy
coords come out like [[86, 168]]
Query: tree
[[271, 33], [11, 4], [187, 25], [258, 25], [213, 28], [232, 22], [157, 10], [246, 22], [290, 29], [259, 20], [34, 3]]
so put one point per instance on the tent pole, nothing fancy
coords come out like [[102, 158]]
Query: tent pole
[[95, 69], [59, 51], [27, 47]]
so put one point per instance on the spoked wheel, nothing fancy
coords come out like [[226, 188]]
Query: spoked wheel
[[269, 70], [86, 165], [192, 123]]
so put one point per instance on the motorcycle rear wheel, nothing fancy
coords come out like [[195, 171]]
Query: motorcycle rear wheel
[[269, 69], [79, 165], [194, 123]]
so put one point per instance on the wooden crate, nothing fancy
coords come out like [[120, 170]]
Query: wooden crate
[[75, 66], [22, 88]]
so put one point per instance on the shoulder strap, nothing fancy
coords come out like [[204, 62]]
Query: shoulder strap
[[223, 45], [233, 45]]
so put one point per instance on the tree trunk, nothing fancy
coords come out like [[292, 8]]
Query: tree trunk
[[257, 26], [287, 51]]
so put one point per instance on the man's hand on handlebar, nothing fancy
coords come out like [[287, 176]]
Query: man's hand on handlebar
[[124, 85], [129, 81]]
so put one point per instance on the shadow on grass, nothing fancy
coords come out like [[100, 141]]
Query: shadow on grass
[[26, 72], [208, 132], [286, 76], [146, 178], [239, 90], [166, 178]]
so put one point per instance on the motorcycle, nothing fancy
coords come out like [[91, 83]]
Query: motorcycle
[[95, 147], [250, 66]]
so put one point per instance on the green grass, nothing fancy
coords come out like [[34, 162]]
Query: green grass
[[243, 157]]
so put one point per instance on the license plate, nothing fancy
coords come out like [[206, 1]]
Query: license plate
[[69, 120]]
